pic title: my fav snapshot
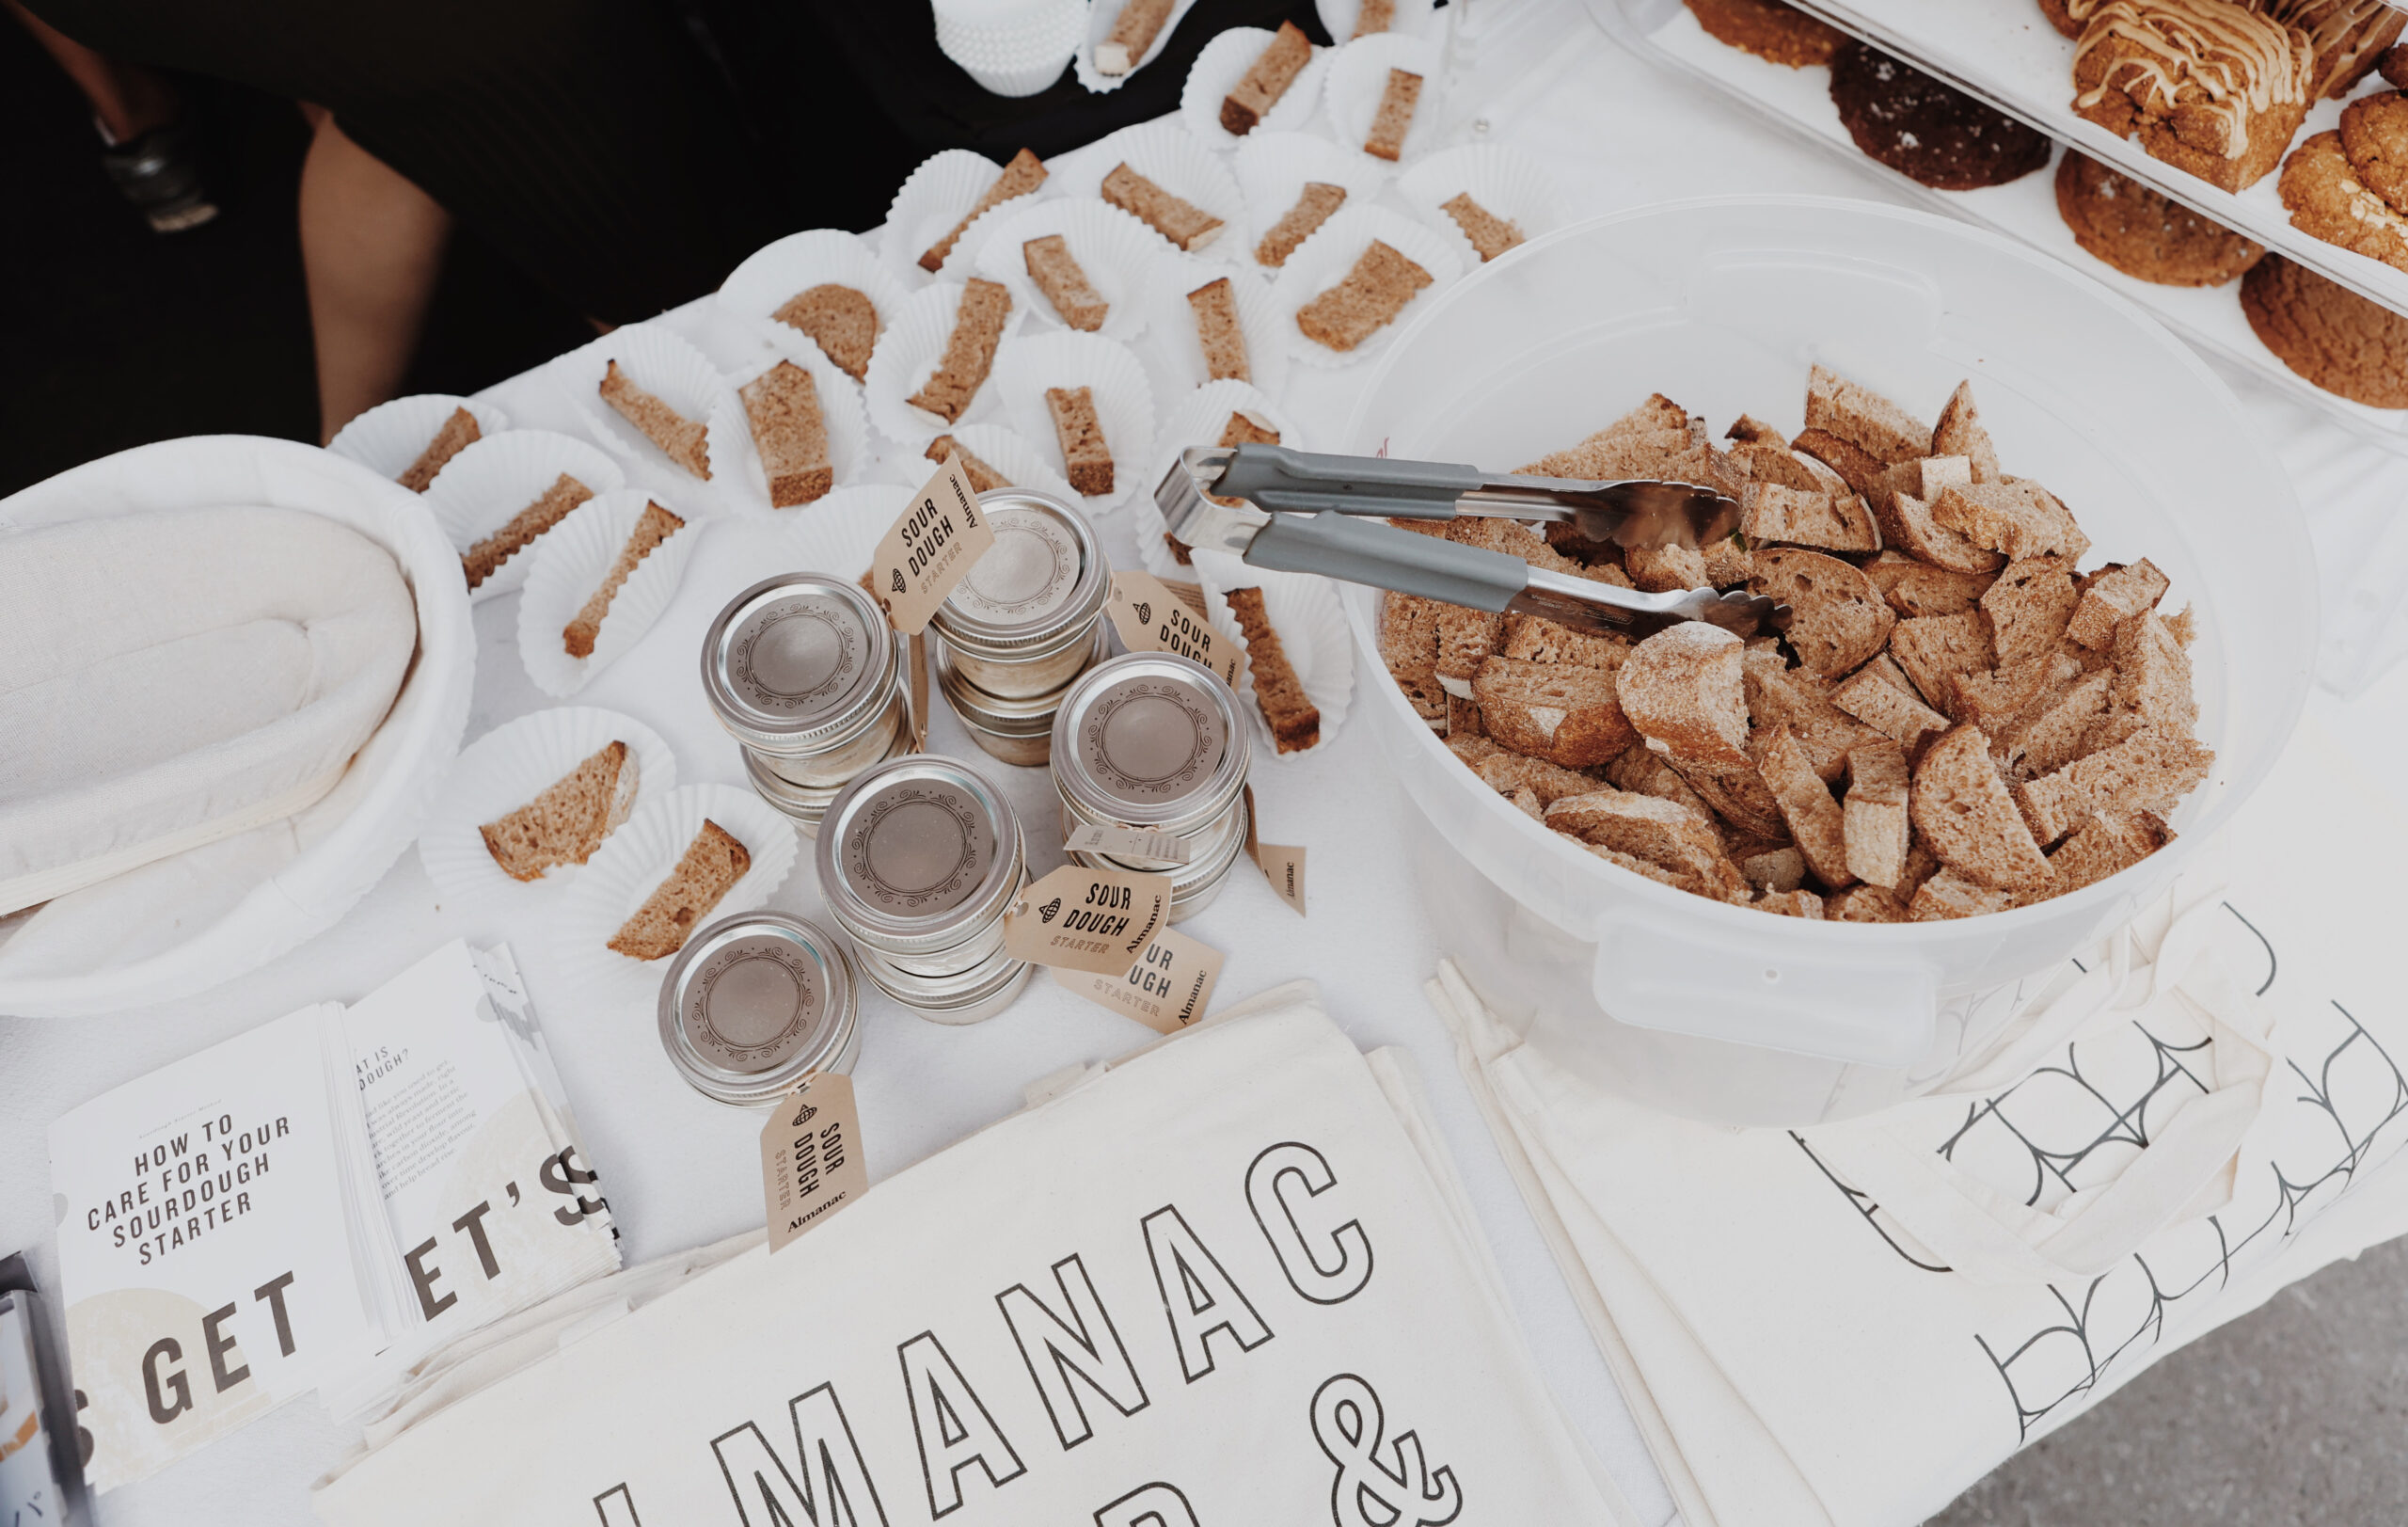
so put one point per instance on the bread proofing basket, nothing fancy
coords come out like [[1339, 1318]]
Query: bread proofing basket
[[1732, 1015]]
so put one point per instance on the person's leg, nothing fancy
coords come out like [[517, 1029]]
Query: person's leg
[[372, 246]]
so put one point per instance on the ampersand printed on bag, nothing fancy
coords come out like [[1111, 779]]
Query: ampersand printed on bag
[[1097, 920], [1348, 1424], [1150, 618], [931, 548], [810, 1155]]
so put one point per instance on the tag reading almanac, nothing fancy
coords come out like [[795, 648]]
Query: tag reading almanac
[[1283, 865], [931, 548], [1150, 618], [1169, 988], [810, 1155], [1097, 920]]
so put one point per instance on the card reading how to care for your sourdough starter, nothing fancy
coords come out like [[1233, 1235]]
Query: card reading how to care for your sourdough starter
[[931, 548]]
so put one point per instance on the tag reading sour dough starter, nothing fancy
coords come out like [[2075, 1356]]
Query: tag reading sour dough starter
[[1097, 920], [1150, 618], [810, 1155], [1167, 989], [931, 549]]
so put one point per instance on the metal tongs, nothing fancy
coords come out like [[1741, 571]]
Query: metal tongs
[[1308, 513]]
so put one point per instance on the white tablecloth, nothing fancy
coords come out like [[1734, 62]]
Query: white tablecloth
[[682, 1170]]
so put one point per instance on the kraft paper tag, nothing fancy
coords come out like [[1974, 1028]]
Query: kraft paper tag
[[1283, 865], [1155, 849], [931, 549], [1169, 988], [1097, 920], [810, 1155], [1151, 618]]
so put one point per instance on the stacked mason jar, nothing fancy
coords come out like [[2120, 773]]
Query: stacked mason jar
[[1022, 625], [753, 1004]]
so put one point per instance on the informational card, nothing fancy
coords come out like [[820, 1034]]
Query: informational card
[[931, 548]]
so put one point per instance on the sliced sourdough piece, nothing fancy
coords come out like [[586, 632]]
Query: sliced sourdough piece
[[1960, 433], [1949, 895], [1934, 649], [1928, 478], [1217, 331], [683, 440], [1962, 810], [1641, 771], [1729, 563], [1635, 864], [1376, 289], [1835, 522], [1815, 819], [1314, 205], [2058, 732], [2029, 607], [2109, 842], [2152, 684], [1266, 80], [1058, 274], [1183, 223], [1865, 904], [2112, 596], [1662, 833], [1661, 570], [1749, 430], [565, 823], [1086, 456], [1537, 639], [1913, 527], [484, 558], [1409, 647], [1685, 689], [1837, 617], [1863, 417], [1526, 801], [783, 406], [1507, 771], [1780, 695], [1792, 904], [1294, 721], [1875, 813], [1022, 175], [1490, 234], [984, 478], [1855, 466], [840, 320], [458, 433], [1738, 796], [1394, 118], [711, 865], [1566, 715], [1995, 699], [653, 526], [1915, 588], [1467, 639], [1244, 429], [1374, 16], [1922, 863], [1775, 869], [969, 350], [2012, 516], [1463, 719], [1889, 710], [1133, 31]]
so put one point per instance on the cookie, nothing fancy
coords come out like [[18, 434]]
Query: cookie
[[2394, 65], [2374, 138], [2328, 333], [2326, 199], [1768, 29], [2061, 16], [1927, 130], [2144, 232]]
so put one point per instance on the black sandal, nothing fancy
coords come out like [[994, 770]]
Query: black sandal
[[159, 174]]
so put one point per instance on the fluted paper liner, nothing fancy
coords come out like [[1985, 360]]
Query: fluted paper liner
[[931, 199], [1304, 612], [1115, 250], [1358, 77], [778, 273], [510, 766], [1217, 71], [1124, 404], [1101, 16], [388, 438], [1196, 419], [570, 564], [1273, 170], [483, 488], [1413, 18], [1176, 348], [672, 369], [1167, 154], [838, 535], [910, 354], [1504, 181], [1331, 252], [840, 410]]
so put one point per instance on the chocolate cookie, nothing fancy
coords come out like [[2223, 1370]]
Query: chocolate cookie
[[2328, 333], [2326, 199], [1768, 29], [2374, 137], [1927, 130], [2144, 232]]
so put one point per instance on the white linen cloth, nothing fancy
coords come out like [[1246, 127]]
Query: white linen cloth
[[1217, 1283], [1847, 1325]]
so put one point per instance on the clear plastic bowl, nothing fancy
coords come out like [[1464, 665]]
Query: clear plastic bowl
[[1715, 1011]]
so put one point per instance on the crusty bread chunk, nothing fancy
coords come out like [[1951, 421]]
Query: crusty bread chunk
[[1133, 31], [2112, 596], [2012, 518], [1278, 693], [1780, 695], [969, 350], [984, 478], [1995, 699], [2107, 843], [1775, 869], [1467, 639], [1836, 522], [565, 823], [1865, 904], [653, 526], [1642, 771], [1058, 274], [1837, 617], [1409, 647], [1888, 709], [1913, 525], [1266, 79], [1182, 222], [484, 558], [1526, 801], [2029, 605], [1507, 771], [683, 440], [457, 434], [1875, 813], [1737, 793], [1855, 466], [1537, 639], [1634, 864], [1566, 715], [2058, 732], [1490, 234], [1374, 16], [1685, 689], [1086, 456], [1796, 903], [1664, 834], [1934, 649], [1462, 718], [2152, 683], [1394, 118], [1374, 291], [1023, 174], [710, 866], [1949, 895], [1963, 811], [1917, 588], [1815, 819], [1660, 569], [842, 321], [1960, 433], [1313, 207], [1218, 333], [1863, 417], [2148, 771], [791, 433]]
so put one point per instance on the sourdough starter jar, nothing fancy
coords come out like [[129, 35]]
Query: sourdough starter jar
[[1018, 630], [754, 1003], [807, 673], [1149, 740]]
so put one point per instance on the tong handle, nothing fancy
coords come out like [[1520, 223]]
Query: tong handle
[[1336, 545], [1307, 482]]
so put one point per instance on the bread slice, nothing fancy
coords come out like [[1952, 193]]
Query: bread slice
[[1086, 456], [1863, 417], [1507, 771], [1815, 819], [711, 865], [1775, 869], [1995, 699], [1409, 647], [1960, 433], [1244, 429], [1876, 813], [1266, 80], [2014, 518], [969, 350], [2148, 771], [1934, 649], [1837, 617], [1064, 281], [1566, 715], [1313, 207], [484, 558], [840, 320], [1462, 718], [1526, 801], [1888, 709], [1683, 689], [1913, 527], [1394, 118], [1295, 724], [1537, 639], [565, 823], [1022, 175], [1749, 430], [1780, 695], [1865, 904], [2058, 733], [653, 526], [1368, 300], [984, 478], [1664, 834], [1812, 517], [1738, 796], [1661, 570], [783, 406], [683, 440], [1963, 812], [1641, 771], [2028, 607], [1855, 466], [1374, 16], [1949, 895], [1185, 224], [2107, 843], [1916, 588], [1467, 639], [2112, 596], [458, 433], [1133, 31], [1490, 234], [1793, 903], [1218, 332], [2151, 685]]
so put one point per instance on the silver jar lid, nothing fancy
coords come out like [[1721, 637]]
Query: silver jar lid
[[1040, 587], [799, 662], [756, 1002], [1149, 740], [921, 852]]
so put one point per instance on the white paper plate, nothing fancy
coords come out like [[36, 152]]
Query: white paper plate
[[1009, 453], [1101, 16], [1167, 154], [1196, 419], [1505, 181], [637, 857], [840, 410], [1305, 611], [1124, 402], [839, 534], [908, 354], [1331, 252], [931, 199], [777, 273], [510, 766], [569, 566], [388, 438], [483, 488], [671, 368], [1359, 76], [1114, 249], [1171, 337], [1273, 168], [1413, 18], [1219, 67]]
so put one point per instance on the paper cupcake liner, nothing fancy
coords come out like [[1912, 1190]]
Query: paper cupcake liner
[[1413, 18], [569, 566], [632, 864], [388, 438], [1025, 80], [1504, 181], [510, 766], [1167, 154], [910, 354], [1009, 453], [1196, 419], [672, 368], [1100, 19], [1304, 612], [1171, 337], [1022, 55], [1124, 402], [777, 273], [931, 199], [840, 410], [1331, 252], [1273, 170], [1217, 71], [1359, 76], [1115, 250], [838, 535], [483, 488]]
